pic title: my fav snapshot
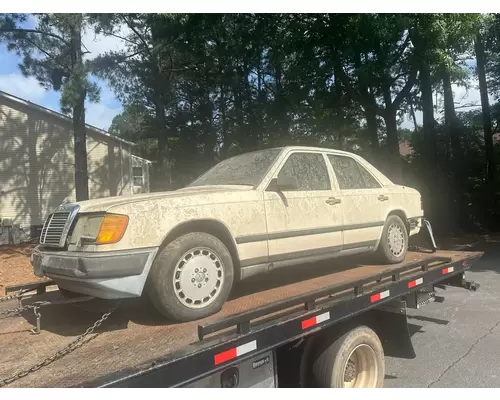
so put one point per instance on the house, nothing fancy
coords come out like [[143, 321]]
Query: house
[[37, 163], [405, 148]]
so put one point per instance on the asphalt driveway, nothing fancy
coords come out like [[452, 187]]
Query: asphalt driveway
[[457, 342]]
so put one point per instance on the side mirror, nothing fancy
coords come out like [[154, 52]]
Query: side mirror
[[286, 182]]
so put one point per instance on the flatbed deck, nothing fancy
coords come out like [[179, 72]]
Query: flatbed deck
[[135, 336]]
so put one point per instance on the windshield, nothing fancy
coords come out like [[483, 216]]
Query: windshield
[[245, 169]]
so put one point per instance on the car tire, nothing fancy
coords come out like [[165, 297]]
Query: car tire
[[191, 277], [393, 244]]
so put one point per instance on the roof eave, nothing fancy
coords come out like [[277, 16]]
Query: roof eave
[[62, 117]]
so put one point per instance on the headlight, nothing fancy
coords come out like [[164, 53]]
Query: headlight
[[112, 229]]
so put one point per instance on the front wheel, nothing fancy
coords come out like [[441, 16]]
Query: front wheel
[[394, 241], [191, 278]]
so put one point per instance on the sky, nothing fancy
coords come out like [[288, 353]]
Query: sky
[[13, 82], [101, 114]]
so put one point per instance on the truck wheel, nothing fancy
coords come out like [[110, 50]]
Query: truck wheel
[[191, 278], [354, 360], [394, 241]]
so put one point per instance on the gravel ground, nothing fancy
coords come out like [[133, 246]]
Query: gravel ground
[[15, 267]]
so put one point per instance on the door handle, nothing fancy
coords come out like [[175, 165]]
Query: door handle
[[383, 197], [332, 201]]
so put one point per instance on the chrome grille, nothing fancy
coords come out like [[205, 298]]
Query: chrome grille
[[56, 227]]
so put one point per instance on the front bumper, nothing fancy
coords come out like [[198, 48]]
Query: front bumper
[[109, 275]]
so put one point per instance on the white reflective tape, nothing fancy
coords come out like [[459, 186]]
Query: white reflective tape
[[451, 269], [322, 317], [385, 294], [246, 348], [419, 281]]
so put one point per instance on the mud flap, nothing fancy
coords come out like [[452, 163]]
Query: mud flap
[[391, 325]]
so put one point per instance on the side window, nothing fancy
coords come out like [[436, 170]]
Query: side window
[[137, 176], [309, 169], [370, 181], [350, 174]]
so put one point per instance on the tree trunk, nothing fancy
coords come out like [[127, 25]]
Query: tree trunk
[[394, 156], [338, 102], [413, 116], [222, 107], [372, 126], [163, 153], [450, 117], [453, 129], [79, 134], [428, 115], [430, 198], [485, 106]]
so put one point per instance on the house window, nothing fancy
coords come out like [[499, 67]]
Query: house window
[[137, 176]]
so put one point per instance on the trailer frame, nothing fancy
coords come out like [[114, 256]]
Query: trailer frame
[[298, 318]]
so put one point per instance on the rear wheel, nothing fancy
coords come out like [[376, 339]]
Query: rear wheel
[[394, 241], [354, 360], [191, 277]]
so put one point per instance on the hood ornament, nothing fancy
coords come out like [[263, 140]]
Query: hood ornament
[[62, 206]]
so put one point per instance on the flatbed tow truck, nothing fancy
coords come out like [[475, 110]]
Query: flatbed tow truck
[[327, 326]]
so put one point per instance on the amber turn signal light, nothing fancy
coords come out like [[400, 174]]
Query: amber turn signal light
[[112, 228]]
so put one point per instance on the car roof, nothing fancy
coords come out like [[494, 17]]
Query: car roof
[[310, 148]]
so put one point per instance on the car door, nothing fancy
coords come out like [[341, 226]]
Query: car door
[[306, 221], [364, 200]]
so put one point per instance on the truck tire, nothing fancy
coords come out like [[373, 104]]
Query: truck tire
[[353, 360], [191, 277], [393, 244]]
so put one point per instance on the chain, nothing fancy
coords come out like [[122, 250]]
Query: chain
[[16, 311], [78, 342], [14, 296]]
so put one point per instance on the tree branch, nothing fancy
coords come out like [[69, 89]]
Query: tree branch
[[20, 30], [122, 38], [50, 56], [139, 36], [355, 95], [407, 87], [85, 47], [402, 50]]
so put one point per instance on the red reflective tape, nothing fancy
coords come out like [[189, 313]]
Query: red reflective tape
[[318, 319], [448, 270], [379, 296], [416, 282], [307, 323], [375, 297], [235, 352], [225, 356]]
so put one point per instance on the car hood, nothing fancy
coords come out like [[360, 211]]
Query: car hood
[[104, 204]]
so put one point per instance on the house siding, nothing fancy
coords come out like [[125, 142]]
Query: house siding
[[37, 164]]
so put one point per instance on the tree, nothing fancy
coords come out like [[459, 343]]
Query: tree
[[379, 72], [485, 106], [53, 53], [143, 72], [239, 82]]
